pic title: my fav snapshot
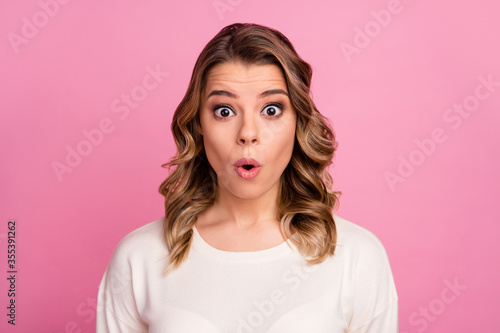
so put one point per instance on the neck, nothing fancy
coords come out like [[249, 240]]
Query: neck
[[246, 213]]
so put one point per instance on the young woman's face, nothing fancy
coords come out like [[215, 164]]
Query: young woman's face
[[245, 112]]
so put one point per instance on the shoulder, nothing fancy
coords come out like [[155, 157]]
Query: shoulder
[[123, 290], [140, 243], [371, 284], [357, 240], [364, 255], [359, 245]]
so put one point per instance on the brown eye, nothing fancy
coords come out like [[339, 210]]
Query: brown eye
[[273, 110], [223, 111]]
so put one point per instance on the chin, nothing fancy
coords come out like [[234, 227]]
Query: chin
[[249, 191]]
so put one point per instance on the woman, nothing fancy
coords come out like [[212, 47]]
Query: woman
[[250, 241]]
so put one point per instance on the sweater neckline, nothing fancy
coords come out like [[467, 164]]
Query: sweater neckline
[[272, 253]]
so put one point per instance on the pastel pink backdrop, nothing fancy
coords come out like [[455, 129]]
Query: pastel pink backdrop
[[385, 72]]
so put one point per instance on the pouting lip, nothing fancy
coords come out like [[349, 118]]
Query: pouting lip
[[248, 161]]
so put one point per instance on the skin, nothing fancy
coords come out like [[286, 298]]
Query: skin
[[243, 217]]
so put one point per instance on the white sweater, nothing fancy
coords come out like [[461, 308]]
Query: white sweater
[[272, 290]]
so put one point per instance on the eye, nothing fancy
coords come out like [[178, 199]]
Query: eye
[[223, 111], [273, 110]]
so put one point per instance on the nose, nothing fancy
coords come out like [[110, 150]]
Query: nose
[[248, 133]]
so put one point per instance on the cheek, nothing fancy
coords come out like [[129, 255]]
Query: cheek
[[288, 143], [216, 149], [287, 146], [279, 145]]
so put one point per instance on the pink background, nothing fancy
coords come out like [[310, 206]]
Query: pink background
[[67, 71]]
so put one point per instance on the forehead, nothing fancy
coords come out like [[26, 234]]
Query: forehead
[[240, 76]]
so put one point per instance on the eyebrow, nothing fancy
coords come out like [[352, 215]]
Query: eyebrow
[[261, 95]]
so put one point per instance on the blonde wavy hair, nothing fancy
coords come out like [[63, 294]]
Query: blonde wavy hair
[[306, 199]]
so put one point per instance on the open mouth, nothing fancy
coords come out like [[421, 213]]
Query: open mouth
[[247, 168]]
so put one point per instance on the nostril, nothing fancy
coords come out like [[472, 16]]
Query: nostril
[[244, 141]]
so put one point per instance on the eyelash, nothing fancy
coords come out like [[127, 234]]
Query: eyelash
[[278, 105]]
